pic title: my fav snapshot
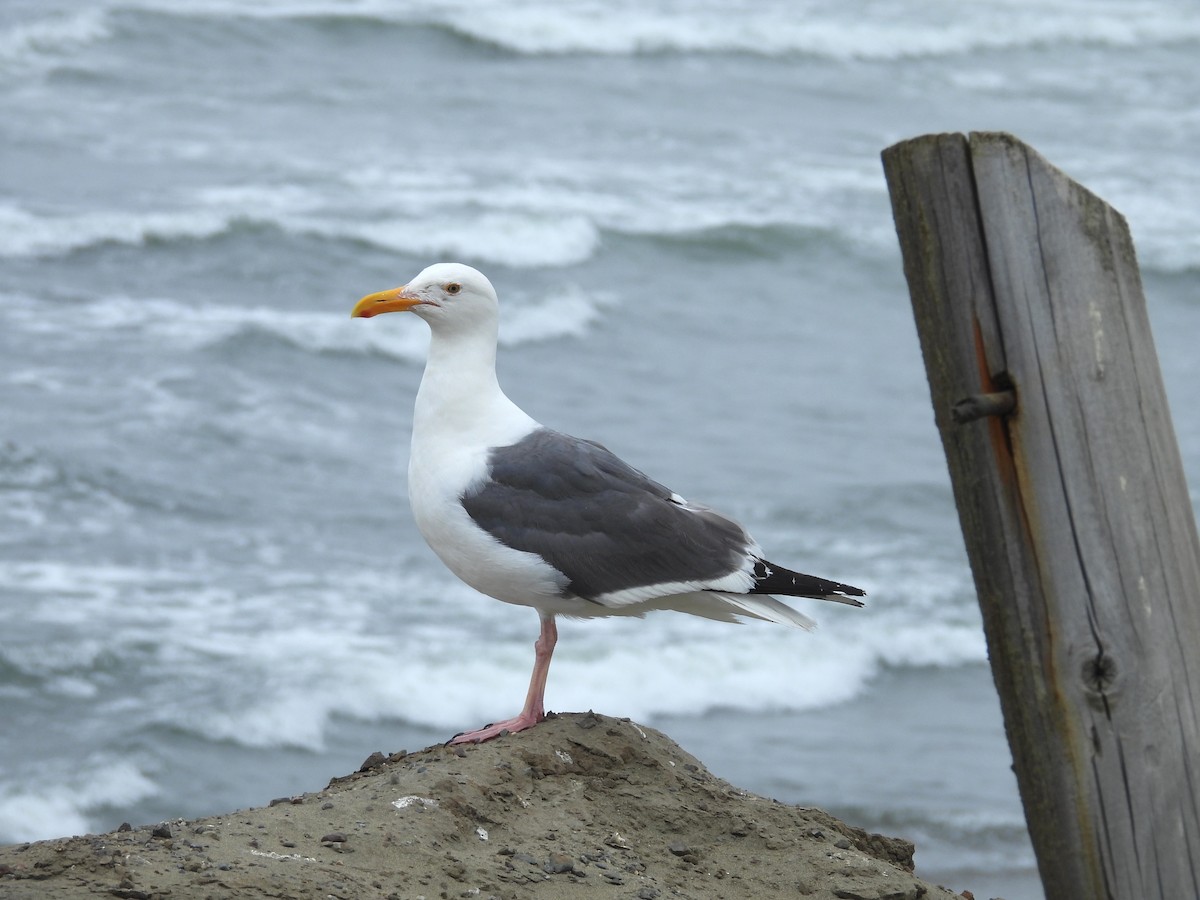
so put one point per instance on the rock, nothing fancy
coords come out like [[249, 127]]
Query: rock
[[631, 815], [588, 720], [558, 863], [374, 761]]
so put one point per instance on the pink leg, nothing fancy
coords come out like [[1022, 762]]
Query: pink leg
[[533, 711]]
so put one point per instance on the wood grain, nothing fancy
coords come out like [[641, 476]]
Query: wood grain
[[1074, 507]]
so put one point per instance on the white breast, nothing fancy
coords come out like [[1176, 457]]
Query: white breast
[[445, 462]]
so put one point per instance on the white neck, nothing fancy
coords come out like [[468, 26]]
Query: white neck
[[460, 395]]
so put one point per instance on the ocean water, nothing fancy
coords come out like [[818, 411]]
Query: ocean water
[[211, 590]]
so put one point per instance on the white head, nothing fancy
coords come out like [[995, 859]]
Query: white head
[[451, 297]]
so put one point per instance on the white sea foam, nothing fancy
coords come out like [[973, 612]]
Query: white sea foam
[[568, 312], [36, 805], [834, 31], [771, 28], [695, 666], [371, 679], [509, 238], [1164, 221], [776, 29], [275, 663], [693, 669], [25, 234], [39, 495], [192, 326], [459, 213], [36, 45], [557, 217], [565, 312]]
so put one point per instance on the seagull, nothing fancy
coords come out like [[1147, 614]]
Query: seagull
[[534, 517]]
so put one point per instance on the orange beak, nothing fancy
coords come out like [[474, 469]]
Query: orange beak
[[394, 300]]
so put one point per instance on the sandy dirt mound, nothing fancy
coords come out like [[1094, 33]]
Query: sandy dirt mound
[[580, 806]]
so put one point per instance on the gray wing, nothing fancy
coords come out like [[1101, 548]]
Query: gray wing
[[599, 521]]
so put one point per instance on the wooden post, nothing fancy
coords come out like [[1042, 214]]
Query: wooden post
[[1073, 504]]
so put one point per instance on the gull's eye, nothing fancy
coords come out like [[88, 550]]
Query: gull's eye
[[452, 288]]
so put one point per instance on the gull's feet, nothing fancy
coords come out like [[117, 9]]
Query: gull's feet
[[487, 732]]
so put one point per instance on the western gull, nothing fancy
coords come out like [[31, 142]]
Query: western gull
[[538, 518]]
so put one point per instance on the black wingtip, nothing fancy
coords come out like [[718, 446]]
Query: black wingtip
[[772, 579]]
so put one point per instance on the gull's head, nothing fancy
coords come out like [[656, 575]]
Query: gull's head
[[446, 295]]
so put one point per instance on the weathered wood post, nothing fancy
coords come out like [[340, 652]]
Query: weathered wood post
[[1073, 504]]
